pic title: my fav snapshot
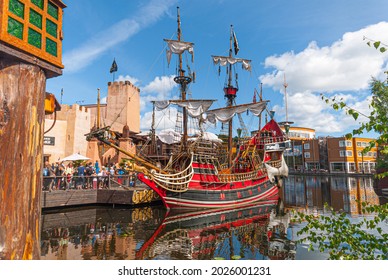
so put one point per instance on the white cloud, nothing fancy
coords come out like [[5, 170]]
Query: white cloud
[[85, 54], [133, 80], [159, 89], [307, 109], [346, 65], [343, 69], [103, 100]]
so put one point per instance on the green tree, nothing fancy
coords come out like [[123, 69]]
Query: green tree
[[344, 239], [335, 233]]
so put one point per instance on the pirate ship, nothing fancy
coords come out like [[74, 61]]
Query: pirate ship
[[201, 171]]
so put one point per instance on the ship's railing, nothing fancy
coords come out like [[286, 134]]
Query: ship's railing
[[262, 140], [275, 163], [226, 178], [176, 182]]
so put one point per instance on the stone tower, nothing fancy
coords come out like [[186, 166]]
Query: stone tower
[[123, 106]]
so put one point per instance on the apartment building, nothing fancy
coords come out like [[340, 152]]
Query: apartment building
[[346, 156], [334, 154]]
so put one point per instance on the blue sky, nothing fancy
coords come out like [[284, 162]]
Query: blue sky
[[318, 45]]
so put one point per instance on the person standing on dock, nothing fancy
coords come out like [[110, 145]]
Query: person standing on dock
[[69, 171], [97, 167], [89, 170], [59, 169], [81, 175]]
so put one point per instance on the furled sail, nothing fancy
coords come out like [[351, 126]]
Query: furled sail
[[178, 47], [227, 113], [225, 60], [195, 108]]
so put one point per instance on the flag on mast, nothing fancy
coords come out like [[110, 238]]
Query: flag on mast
[[113, 68], [235, 43]]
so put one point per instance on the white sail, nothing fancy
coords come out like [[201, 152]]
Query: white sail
[[178, 47], [227, 113], [195, 108], [225, 60]]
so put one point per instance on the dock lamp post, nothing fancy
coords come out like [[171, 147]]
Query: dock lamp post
[[30, 53]]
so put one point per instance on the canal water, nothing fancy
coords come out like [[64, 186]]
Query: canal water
[[265, 231]]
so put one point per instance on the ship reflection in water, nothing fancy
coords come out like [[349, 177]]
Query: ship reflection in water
[[151, 233], [260, 232], [245, 233]]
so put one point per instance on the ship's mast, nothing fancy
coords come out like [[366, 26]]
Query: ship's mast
[[285, 96], [98, 108], [230, 94], [183, 81], [153, 134], [261, 99], [286, 123]]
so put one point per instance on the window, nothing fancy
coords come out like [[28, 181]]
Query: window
[[307, 154], [34, 38], [306, 146], [17, 8], [348, 143], [342, 153], [351, 167], [15, 28], [359, 154], [349, 153], [337, 166], [358, 144], [342, 143]]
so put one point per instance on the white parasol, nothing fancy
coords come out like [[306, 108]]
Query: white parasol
[[74, 157]]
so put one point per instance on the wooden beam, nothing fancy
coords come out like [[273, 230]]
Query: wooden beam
[[22, 93], [6, 51]]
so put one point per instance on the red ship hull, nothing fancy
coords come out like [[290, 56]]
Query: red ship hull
[[207, 191]]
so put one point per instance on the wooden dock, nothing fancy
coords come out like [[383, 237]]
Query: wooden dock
[[118, 196]]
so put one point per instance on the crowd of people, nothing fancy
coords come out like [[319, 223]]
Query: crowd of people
[[61, 176]]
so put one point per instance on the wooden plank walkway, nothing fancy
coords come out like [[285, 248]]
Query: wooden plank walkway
[[116, 196]]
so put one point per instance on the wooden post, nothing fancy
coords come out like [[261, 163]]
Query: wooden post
[[30, 52], [22, 93]]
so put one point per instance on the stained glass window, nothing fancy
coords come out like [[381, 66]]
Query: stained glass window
[[16, 7], [34, 38], [15, 28], [35, 18], [38, 3], [52, 10], [51, 47], [51, 28]]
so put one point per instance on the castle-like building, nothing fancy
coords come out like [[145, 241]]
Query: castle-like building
[[65, 130]]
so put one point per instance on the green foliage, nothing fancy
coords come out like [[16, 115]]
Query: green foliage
[[344, 240], [376, 44], [377, 120]]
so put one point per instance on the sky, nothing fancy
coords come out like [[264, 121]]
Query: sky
[[318, 47]]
